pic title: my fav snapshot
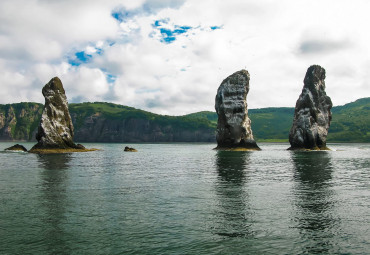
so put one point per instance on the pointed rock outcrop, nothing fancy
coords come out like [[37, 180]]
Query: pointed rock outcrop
[[55, 131], [312, 114], [16, 147], [234, 130]]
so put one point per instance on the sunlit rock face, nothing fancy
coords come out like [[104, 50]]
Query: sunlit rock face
[[312, 113], [55, 129], [234, 127]]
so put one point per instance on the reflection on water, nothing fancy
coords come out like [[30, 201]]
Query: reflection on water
[[54, 161], [233, 203], [314, 199], [53, 200], [231, 166]]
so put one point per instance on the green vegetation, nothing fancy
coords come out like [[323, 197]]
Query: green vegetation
[[112, 111], [22, 118], [350, 122], [271, 124]]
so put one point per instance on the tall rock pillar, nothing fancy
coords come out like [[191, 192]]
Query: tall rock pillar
[[234, 130], [312, 114], [55, 130]]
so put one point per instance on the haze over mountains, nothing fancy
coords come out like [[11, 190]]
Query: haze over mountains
[[108, 122]]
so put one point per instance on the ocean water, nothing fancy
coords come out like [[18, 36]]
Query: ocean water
[[186, 199]]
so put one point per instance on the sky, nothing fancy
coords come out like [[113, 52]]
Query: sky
[[170, 56]]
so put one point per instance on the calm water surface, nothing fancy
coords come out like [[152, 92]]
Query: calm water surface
[[186, 199]]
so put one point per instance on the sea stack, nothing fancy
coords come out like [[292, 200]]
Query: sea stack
[[234, 130], [312, 114], [55, 131]]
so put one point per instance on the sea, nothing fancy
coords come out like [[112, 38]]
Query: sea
[[186, 198]]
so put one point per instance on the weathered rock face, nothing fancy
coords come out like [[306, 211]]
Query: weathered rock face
[[312, 113], [233, 126], [55, 130], [19, 121], [101, 129]]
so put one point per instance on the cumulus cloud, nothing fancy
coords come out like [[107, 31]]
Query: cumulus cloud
[[170, 56]]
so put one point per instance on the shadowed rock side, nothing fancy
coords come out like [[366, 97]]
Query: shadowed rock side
[[234, 130], [55, 131], [129, 149], [312, 114], [16, 147]]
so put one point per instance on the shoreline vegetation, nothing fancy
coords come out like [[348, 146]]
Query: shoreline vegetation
[[101, 122]]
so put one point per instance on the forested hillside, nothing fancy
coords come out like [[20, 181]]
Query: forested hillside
[[107, 122]]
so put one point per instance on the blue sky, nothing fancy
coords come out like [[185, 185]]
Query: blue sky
[[170, 56]]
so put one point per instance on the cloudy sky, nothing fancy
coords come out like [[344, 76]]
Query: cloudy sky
[[170, 56]]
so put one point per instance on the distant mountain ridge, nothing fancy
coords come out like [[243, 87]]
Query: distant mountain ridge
[[108, 122]]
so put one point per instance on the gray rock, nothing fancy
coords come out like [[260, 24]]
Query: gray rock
[[233, 126], [16, 147], [55, 130], [312, 114]]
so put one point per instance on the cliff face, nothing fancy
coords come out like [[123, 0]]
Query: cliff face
[[99, 128], [19, 121]]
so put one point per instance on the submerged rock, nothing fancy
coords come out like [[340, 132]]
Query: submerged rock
[[55, 131], [312, 114], [16, 147], [234, 127], [129, 149]]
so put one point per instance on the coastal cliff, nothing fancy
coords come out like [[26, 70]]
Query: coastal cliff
[[109, 122], [106, 122], [19, 121]]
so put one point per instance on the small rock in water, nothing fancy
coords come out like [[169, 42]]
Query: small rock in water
[[234, 127], [129, 149], [16, 147], [312, 114]]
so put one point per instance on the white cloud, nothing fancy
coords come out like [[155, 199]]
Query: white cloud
[[85, 84], [275, 41]]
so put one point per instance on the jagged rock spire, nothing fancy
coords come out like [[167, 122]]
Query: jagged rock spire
[[312, 114]]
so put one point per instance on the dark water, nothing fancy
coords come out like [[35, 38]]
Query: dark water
[[186, 199]]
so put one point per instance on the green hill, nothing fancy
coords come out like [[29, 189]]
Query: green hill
[[351, 122], [108, 122]]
